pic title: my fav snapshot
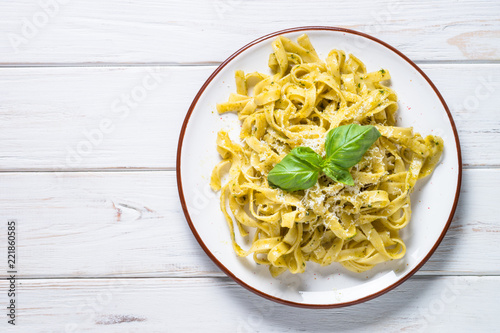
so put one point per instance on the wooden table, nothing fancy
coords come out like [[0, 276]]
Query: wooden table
[[87, 163]]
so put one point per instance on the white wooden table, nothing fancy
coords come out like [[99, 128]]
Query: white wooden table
[[90, 176]]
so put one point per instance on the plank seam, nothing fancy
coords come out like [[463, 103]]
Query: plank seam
[[418, 275], [172, 169], [213, 63]]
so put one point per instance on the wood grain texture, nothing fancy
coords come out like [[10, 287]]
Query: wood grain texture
[[46, 113], [130, 224], [159, 31], [422, 304]]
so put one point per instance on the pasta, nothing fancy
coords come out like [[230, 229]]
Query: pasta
[[295, 106]]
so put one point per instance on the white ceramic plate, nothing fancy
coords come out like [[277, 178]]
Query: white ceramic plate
[[433, 201]]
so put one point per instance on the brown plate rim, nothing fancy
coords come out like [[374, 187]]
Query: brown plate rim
[[224, 268]]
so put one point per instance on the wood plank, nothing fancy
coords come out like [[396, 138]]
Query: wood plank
[[179, 32], [57, 109], [130, 224], [219, 305], [45, 114]]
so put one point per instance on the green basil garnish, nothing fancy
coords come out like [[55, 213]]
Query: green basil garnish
[[338, 174], [345, 147], [298, 170]]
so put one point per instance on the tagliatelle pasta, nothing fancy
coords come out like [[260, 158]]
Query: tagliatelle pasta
[[305, 97]]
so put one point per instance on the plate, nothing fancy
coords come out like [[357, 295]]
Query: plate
[[433, 201]]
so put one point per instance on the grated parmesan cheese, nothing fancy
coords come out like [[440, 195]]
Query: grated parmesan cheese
[[318, 145]]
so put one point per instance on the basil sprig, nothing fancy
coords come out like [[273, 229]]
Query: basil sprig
[[344, 146]]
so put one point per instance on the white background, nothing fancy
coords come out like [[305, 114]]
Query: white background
[[90, 176]]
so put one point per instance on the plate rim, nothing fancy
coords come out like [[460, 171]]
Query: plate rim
[[224, 268]]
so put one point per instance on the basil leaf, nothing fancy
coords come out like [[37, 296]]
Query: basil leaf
[[338, 174], [346, 145], [308, 156], [298, 170]]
